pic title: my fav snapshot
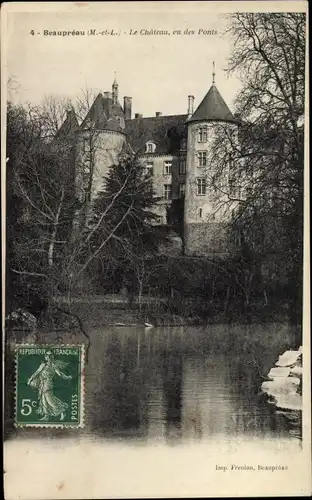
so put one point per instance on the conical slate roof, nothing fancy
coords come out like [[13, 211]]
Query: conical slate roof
[[101, 112], [213, 107], [69, 125]]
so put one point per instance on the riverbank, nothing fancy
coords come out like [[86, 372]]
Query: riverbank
[[110, 310], [116, 310]]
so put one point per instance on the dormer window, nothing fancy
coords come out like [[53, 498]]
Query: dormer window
[[202, 134], [150, 147], [121, 121]]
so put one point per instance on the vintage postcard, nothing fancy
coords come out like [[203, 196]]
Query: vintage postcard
[[155, 178]]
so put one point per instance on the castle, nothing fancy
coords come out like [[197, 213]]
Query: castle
[[175, 149]]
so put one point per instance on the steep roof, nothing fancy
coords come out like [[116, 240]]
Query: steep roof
[[213, 107], [69, 125], [101, 113], [165, 131]]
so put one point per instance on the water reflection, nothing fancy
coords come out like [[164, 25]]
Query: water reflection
[[172, 377], [176, 384]]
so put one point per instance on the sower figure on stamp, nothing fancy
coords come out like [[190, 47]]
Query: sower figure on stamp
[[42, 380]]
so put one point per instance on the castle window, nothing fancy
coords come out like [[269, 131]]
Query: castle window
[[233, 135], [159, 219], [150, 147], [86, 194], [200, 213], [121, 121], [201, 186], [149, 168], [234, 190], [167, 191], [183, 145], [182, 166], [271, 198], [182, 190], [248, 192], [26, 214], [202, 134], [86, 168], [231, 165], [202, 158], [86, 145], [167, 167]]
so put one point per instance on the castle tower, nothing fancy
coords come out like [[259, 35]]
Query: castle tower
[[203, 229], [99, 142]]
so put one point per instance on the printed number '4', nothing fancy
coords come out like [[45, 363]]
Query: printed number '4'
[[32, 32], [26, 407]]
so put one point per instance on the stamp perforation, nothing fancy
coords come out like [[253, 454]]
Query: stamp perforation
[[81, 386]]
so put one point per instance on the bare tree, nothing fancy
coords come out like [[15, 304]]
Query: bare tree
[[267, 155], [258, 177], [53, 111]]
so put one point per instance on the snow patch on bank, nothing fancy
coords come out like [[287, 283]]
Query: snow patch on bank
[[284, 386]]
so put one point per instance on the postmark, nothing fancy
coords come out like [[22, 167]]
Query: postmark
[[49, 385]]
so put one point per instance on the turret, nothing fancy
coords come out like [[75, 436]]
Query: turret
[[199, 220]]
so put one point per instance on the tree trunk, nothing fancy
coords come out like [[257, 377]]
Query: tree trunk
[[54, 232]]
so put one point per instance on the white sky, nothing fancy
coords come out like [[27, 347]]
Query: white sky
[[157, 71]]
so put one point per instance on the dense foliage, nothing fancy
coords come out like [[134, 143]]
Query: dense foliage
[[265, 163]]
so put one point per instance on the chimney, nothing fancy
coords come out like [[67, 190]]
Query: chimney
[[158, 113], [138, 115], [238, 117], [107, 95], [190, 107], [127, 107]]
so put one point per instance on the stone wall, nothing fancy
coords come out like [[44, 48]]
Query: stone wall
[[208, 239], [98, 149], [160, 178], [204, 214]]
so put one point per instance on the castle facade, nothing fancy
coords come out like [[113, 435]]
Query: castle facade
[[176, 151]]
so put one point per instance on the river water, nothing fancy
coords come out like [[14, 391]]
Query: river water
[[177, 384], [179, 387]]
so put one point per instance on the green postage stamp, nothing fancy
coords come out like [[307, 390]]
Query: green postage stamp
[[49, 390]]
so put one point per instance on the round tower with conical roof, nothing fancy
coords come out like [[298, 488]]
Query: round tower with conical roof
[[204, 226], [99, 141]]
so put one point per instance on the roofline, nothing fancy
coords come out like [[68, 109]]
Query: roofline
[[99, 130], [213, 120], [156, 117]]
